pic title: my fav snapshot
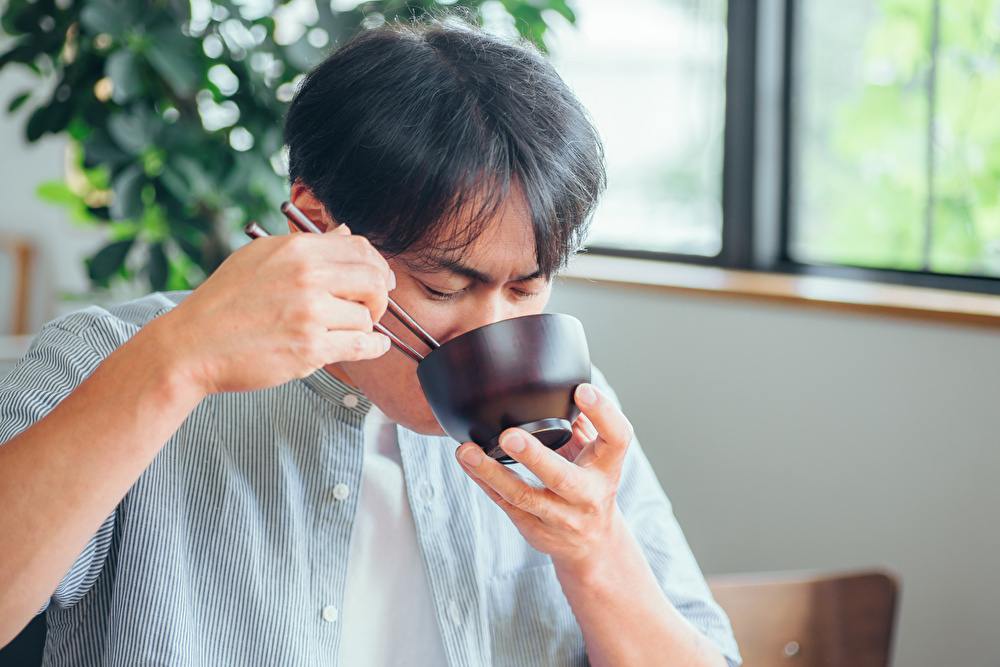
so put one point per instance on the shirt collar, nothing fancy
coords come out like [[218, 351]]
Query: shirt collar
[[338, 392]]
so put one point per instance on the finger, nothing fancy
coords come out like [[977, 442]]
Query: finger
[[352, 346], [493, 495], [557, 474], [614, 430], [472, 452], [343, 315], [359, 250], [361, 283], [510, 486], [584, 435]]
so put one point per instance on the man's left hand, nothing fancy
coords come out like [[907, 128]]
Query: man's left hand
[[574, 513]]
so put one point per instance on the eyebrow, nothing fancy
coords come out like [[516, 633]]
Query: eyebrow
[[454, 265]]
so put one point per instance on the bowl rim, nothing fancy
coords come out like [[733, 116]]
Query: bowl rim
[[498, 322]]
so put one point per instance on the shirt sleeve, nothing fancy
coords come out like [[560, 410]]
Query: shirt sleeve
[[650, 516], [65, 353]]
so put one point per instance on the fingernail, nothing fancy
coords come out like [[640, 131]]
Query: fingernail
[[392, 280], [513, 442], [472, 456], [386, 343], [586, 395]]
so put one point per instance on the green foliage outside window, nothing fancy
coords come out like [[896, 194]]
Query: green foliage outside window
[[872, 192], [174, 112]]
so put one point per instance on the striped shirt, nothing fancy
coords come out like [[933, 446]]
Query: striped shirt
[[232, 547]]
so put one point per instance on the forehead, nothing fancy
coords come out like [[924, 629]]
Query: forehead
[[500, 246]]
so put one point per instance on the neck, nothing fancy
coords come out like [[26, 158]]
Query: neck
[[336, 371]]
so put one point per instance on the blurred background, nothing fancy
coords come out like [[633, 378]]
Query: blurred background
[[851, 138]]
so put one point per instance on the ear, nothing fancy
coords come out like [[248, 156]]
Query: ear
[[304, 200]]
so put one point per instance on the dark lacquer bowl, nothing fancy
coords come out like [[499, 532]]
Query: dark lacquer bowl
[[519, 372]]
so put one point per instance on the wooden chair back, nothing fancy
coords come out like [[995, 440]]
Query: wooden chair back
[[22, 254], [803, 620]]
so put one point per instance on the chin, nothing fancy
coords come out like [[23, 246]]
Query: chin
[[428, 428], [421, 420]]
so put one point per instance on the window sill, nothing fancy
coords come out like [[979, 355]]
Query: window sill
[[835, 294]]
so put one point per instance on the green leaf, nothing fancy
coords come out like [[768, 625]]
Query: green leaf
[[51, 118], [565, 10], [37, 124], [16, 103], [190, 249], [24, 51], [127, 185], [60, 114], [123, 68], [171, 56], [129, 132], [108, 260], [175, 183], [99, 150], [100, 213], [99, 16], [27, 19], [56, 192], [158, 268]]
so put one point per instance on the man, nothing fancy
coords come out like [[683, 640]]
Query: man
[[247, 474]]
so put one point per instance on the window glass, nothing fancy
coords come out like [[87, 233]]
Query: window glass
[[652, 73], [897, 143]]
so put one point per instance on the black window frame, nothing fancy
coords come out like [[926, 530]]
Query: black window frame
[[758, 160]]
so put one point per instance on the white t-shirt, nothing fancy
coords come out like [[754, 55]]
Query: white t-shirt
[[389, 617]]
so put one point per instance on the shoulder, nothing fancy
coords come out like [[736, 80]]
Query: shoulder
[[130, 315], [65, 352], [99, 330]]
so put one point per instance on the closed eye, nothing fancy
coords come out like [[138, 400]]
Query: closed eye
[[441, 296], [523, 295]]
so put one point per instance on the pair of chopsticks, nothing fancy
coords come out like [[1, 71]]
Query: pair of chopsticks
[[304, 224]]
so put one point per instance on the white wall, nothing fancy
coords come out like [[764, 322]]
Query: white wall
[[792, 439]]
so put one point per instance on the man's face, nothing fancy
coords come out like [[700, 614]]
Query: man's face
[[448, 293]]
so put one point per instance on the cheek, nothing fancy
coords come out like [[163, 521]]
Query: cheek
[[391, 383]]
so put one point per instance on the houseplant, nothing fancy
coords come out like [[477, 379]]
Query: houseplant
[[173, 111]]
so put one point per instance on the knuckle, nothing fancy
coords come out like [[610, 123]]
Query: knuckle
[[575, 526], [563, 480], [372, 277], [303, 280], [591, 508], [359, 346], [626, 433], [361, 247], [296, 245], [523, 497], [362, 317], [307, 311]]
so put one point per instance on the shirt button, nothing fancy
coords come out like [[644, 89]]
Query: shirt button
[[351, 401], [427, 491], [330, 613], [455, 613], [340, 491]]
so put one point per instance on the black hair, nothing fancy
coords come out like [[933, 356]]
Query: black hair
[[406, 126]]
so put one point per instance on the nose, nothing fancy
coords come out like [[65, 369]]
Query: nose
[[486, 310]]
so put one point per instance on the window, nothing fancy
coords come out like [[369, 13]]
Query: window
[[840, 137], [656, 88], [897, 158]]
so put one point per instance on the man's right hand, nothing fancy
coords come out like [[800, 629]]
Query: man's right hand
[[278, 309]]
